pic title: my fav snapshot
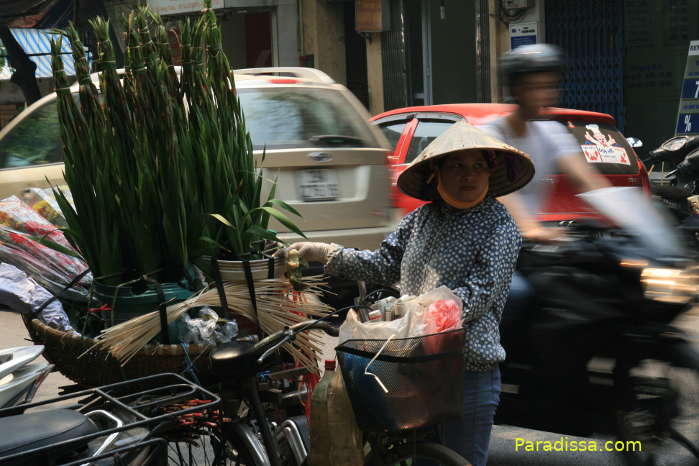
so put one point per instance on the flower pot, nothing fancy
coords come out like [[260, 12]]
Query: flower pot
[[234, 271], [128, 301]]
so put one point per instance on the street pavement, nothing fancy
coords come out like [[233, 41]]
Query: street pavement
[[15, 334], [508, 444]]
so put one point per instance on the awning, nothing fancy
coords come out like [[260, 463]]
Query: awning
[[37, 45]]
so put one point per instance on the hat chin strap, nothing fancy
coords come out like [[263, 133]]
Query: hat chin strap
[[457, 204]]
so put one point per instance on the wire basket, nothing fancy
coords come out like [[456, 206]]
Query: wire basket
[[406, 383]]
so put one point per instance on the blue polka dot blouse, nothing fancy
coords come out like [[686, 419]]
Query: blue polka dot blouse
[[472, 252]]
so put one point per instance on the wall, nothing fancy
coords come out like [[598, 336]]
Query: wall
[[375, 74], [657, 39], [233, 33], [287, 34], [324, 37], [453, 50], [499, 35]]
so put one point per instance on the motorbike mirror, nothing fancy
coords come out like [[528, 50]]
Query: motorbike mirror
[[634, 142]]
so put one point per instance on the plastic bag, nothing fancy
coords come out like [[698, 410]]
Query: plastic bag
[[207, 328], [436, 311], [19, 226], [23, 295], [443, 315], [53, 269], [336, 440], [44, 203], [18, 216]]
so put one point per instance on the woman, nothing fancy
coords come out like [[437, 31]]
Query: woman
[[465, 240]]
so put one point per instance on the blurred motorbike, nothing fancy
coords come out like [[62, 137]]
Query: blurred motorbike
[[678, 189], [597, 351]]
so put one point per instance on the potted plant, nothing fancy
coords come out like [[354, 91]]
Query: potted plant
[[158, 160]]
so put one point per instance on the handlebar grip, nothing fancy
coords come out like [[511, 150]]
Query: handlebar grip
[[327, 328], [269, 344]]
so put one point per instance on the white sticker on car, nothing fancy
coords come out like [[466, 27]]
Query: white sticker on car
[[601, 148]]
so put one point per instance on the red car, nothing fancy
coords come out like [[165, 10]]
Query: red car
[[411, 129]]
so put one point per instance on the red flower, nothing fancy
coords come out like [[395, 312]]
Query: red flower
[[442, 315]]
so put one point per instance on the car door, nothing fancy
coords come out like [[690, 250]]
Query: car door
[[31, 150], [424, 127], [397, 129]]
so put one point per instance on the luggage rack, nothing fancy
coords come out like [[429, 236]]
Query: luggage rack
[[155, 443], [137, 402]]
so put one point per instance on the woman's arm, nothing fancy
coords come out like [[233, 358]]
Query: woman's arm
[[490, 277], [381, 266]]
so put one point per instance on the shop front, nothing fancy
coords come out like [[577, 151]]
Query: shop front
[[256, 33]]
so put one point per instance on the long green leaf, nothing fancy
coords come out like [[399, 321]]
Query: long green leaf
[[222, 219], [283, 219], [283, 205]]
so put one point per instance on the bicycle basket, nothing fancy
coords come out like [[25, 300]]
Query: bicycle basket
[[422, 375]]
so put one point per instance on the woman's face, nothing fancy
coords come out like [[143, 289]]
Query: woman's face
[[465, 175]]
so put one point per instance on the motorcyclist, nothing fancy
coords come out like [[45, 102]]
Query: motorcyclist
[[532, 75]]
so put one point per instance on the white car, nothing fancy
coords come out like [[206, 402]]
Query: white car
[[329, 161]]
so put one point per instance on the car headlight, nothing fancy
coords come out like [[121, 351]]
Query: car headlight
[[677, 286]]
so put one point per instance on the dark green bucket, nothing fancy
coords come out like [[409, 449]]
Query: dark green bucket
[[133, 300]]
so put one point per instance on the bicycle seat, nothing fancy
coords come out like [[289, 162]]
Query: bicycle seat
[[25, 432], [234, 358]]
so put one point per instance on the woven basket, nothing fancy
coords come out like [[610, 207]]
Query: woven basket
[[98, 367]]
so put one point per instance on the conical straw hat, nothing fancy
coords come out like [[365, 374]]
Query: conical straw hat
[[512, 169]]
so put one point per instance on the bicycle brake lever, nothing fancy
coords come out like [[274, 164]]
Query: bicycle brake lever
[[271, 350]]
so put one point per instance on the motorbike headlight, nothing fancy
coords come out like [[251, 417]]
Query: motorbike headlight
[[677, 286], [675, 143]]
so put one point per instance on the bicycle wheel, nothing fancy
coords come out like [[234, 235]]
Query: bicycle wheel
[[429, 451], [210, 449]]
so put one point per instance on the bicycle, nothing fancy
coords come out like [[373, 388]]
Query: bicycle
[[242, 445]]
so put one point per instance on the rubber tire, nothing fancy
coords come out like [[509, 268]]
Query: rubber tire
[[432, 451], [244, 456], [682, 356]]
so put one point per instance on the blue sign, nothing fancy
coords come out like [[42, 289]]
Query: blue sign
[[690, 89], [522, 40], [688, 111], [688, 123], [522, 34]]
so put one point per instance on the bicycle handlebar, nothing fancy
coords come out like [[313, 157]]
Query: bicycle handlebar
[[271, 343]]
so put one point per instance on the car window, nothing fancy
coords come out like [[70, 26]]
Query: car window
[[286, 117], [393, 131], [426, 132], [604, 147], [35, 140]]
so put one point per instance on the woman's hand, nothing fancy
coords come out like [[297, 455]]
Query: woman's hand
[[541, 234], [310, 252]]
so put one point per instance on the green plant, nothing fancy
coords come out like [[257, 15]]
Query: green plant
[[158, 161]]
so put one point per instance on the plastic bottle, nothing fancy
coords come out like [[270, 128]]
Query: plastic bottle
[[320, 435], [335, 438]]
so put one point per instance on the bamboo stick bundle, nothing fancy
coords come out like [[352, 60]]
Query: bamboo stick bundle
[[278, 305]]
